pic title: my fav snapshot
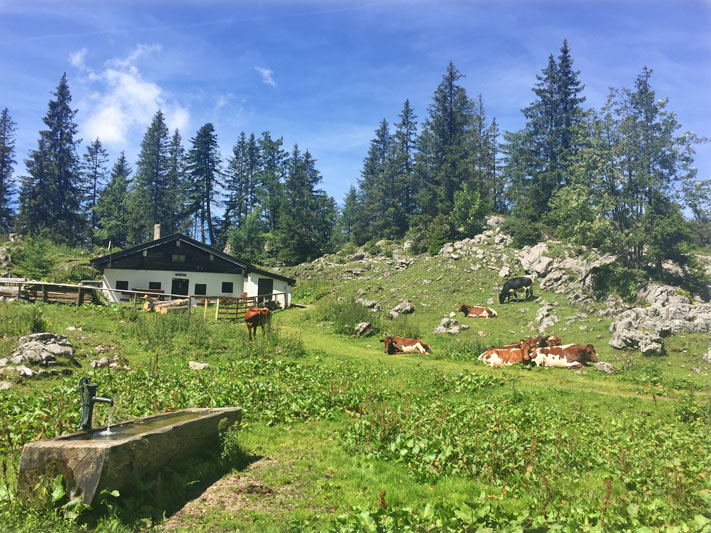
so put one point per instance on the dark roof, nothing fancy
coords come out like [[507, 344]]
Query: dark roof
[[101, 262]]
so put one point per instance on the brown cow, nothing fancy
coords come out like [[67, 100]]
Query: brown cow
[[566, 356], [506, 356], [404, 345], [474, 311], [255, 317]]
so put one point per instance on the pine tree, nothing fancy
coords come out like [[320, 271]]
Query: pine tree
[[404, 149], [204, 177], [151, 192], [540, 156], [375, 186], [445, 147], [7, 165], [50, 192], [237, 184], [308, 216], [112, 206], [270, 177], [93, 174], [177, 185]]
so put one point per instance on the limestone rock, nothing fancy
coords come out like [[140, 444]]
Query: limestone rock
[[707, 357], [504, 272], [533, 259], [404, 308], [363, 329], [366, 303], [194, 365], [4, 385], [99, 363], [602, 366], [449, 326]]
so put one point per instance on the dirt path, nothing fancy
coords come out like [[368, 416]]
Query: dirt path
[[236, 494]]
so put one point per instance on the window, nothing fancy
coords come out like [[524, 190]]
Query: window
[[177, 258], [200, 289], [154, 285], [122, 285], [227, 286]]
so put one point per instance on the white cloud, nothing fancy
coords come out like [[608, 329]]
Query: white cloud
[[122, 102], [267, 75], [77, 58]]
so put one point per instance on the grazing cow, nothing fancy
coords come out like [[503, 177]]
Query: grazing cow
[[272, 305], [566, 356], [506, 356], [255, 317], [473, 311], [404, 345], [515, 285]]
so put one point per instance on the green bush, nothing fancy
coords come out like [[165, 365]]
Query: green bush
[[346, 314], [524, 232]]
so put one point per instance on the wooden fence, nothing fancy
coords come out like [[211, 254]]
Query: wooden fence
[[36, 291]]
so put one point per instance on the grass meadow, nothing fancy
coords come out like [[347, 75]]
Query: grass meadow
[[338, 436]]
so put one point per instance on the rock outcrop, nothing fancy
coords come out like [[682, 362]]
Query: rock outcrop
[[449, 326], [644, 328]]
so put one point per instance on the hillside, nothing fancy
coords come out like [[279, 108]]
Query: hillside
[[566, 302], [339, 436]]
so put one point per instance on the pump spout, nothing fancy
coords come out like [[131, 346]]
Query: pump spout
[[87, 391]]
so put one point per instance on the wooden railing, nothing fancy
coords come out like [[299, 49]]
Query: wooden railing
[[228, 308]]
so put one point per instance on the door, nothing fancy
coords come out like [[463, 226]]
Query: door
[[265, 288], [179, 286]]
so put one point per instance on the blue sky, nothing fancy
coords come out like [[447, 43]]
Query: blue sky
[[323, 74]]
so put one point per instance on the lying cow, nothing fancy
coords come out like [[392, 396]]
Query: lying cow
[[404, 345], [515, 285], [473, 311], [506, 355], [257, 317], [566, 356]]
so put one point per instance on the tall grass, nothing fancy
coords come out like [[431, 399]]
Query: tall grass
[[22, 320]]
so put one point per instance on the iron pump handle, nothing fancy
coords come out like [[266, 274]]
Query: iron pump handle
[[87, 392]]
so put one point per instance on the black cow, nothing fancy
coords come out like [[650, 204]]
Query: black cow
[[514, 286]]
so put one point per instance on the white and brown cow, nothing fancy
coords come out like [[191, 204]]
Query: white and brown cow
[[506, 355], [474, 311], [565, 356], [404, 345]]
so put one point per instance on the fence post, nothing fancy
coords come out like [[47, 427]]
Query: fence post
[[217, 308], [190, 301]]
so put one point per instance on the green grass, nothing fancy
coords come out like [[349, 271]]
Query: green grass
[[448, 442]]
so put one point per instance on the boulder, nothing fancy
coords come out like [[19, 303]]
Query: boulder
[[4, 385], [366, 303], [42, 349], [404, 308], [504, 272], [99, 363], [363, 329], [707, 357], [533, 260], [194, 365], [602, 366]]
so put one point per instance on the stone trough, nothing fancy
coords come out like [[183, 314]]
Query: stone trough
[[91, 462]]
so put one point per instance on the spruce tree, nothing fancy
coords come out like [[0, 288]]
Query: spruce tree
[[404, 149], [51, 191], [308, 214], [177, 184], [270, 177], [112, 206], [7, 165], [375, 186], [151, 192], [540, 155], [203, 165], [93, 174], [445, 147]]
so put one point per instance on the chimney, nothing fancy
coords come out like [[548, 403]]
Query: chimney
[[156, 232]]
